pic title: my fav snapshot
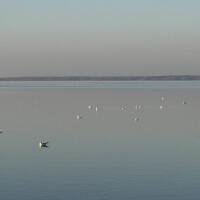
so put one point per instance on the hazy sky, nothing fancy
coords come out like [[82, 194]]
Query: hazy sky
[[99, 37]]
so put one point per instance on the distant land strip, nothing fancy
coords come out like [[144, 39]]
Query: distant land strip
[[105, 78]]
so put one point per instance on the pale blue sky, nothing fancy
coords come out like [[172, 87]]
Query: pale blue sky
[[99, 37]]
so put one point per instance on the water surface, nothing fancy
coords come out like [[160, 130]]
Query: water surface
[[106, 155]]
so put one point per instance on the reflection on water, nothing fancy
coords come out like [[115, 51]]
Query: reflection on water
[[106, 155]]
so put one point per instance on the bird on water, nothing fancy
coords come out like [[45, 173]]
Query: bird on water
[[43, 144]]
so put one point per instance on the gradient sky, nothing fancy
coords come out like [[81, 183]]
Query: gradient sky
[[99, 37]]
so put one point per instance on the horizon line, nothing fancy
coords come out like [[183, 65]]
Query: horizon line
[[104, 78]]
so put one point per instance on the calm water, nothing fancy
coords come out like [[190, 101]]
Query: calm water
[[106, 155]]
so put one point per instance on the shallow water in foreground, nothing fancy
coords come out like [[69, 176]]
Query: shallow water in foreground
[[106, 154]]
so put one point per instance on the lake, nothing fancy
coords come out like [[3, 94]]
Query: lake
[[108, 154]]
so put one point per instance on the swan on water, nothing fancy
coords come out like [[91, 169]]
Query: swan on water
[[161, 107], [123, 108], [97, 109]]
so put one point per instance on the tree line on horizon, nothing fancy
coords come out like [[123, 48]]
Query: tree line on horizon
[[103, 78]]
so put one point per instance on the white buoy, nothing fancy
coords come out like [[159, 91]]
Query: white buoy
[[162, 98], [79, 117], [89, 107]]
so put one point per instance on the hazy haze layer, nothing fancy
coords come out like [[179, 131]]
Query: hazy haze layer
[[99, 38]]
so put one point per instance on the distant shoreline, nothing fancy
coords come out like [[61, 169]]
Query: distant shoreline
[[105, 78]]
